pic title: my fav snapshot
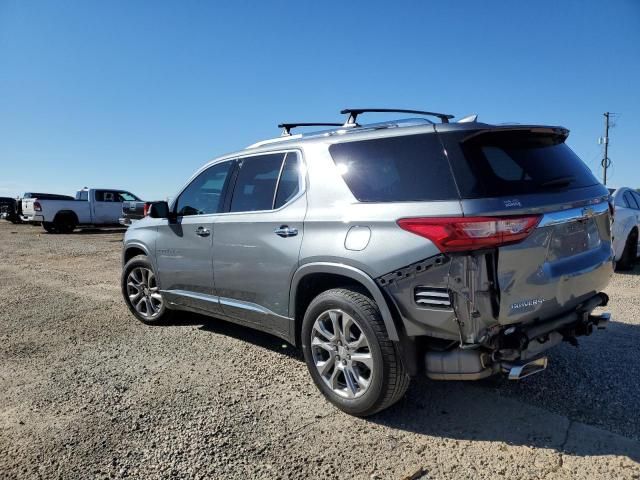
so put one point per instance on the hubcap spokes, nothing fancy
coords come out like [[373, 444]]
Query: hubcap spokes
[[143, 293], [341, 353]]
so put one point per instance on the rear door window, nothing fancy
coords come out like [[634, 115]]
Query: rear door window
[[505, 163], [290, 180], [106, 196], [256, 183], [395, 169]]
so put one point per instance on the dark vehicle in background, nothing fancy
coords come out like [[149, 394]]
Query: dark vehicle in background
[[9, 209], [133, 210]]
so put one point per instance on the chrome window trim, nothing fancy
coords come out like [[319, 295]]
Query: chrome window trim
[[238, 157], [302, 178]]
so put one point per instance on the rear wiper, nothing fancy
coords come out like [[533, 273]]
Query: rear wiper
[[559, 181]]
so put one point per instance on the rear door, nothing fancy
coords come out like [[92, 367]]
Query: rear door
[[106, 207], [523, 171], [183, 246], [256, 244]]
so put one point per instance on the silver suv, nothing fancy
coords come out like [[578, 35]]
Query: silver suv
[[387, 250]]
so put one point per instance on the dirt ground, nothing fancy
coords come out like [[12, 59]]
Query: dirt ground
[[86, 391]]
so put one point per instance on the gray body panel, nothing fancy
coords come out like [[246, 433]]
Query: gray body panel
[[184, 262], [253, 266]]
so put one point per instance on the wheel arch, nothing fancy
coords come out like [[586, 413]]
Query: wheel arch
[[131, 250], [62, 213], [333, 275]]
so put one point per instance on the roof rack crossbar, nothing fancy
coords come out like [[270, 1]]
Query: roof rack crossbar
[[286, 127], [354, 112]]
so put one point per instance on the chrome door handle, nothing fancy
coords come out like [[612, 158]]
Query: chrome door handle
[[284, 231], [203, 232]]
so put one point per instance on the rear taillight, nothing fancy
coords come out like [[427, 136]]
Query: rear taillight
[[457, 234], [37, 207], [146, 208]]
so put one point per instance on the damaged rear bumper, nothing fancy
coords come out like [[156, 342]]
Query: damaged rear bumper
[[517, 350]]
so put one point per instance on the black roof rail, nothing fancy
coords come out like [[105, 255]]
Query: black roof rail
[[286, 127], [354, 112]]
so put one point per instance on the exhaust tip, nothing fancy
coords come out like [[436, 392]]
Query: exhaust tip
[[520, 371]]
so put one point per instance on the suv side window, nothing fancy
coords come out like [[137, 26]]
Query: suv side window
[[636, 197], [395, 169], [204, 193], [289, 183], [630, 200], [256, 184]]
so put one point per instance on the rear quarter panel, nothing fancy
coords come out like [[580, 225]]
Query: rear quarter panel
[[333, 212], [51, 207]]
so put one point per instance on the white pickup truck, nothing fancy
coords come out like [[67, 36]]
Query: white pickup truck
[[91, 207]]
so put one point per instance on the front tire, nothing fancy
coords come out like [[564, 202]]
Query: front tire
[[141, 292], [349, 354]]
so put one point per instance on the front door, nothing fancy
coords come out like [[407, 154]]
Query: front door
[[257, 243], [183, 247]]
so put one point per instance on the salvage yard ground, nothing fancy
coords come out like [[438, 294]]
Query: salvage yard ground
[[86, 391]]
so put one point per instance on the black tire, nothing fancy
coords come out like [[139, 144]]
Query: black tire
[[629, 254], [65, 222], [49, 227], [388, 378], [142, 262]]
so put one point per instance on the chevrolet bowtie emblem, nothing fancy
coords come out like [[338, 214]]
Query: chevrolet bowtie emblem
[[587, 212]]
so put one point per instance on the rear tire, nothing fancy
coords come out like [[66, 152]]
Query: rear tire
[[349, 354], [65, 223], [630, 252], [49, 227]]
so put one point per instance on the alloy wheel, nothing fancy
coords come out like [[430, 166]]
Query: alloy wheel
[[143, 293], [341, 353]]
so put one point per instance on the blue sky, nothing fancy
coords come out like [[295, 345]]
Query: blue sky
[[137, 95]]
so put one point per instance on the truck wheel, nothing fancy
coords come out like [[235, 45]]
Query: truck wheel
[[65, 223], [630, 252], [141, 292], [49, 227], [349, 354]]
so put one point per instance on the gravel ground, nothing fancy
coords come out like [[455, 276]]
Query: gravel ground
[[86, 391]]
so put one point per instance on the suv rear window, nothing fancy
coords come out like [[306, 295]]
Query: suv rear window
[[395, 169], [505, 163]]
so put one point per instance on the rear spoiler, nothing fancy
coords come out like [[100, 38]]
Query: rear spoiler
[[560, 132]]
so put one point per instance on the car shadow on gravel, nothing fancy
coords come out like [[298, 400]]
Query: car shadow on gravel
[[551, 410], [239, 332], [585, 404]]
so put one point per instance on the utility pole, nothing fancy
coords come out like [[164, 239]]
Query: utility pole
[[606, 161]]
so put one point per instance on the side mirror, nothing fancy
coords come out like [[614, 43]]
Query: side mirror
[[160, 210]]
